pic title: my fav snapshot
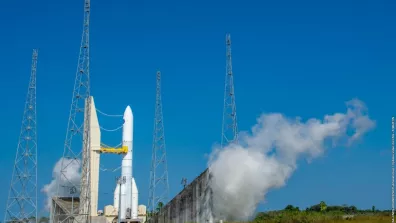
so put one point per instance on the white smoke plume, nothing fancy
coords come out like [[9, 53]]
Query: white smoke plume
[[71, 176], [267, 156]]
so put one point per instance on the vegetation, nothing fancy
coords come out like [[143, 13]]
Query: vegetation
[[321, 213], [318, 213], [43, 220], [158, 210]]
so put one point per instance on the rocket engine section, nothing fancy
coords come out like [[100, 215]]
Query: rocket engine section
[[127, 190]]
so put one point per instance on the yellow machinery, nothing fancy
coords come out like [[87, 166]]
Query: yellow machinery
[[122, 150]]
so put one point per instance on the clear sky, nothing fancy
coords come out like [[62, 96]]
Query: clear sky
[[301, 58]]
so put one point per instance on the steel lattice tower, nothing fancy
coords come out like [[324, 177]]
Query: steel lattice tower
[[74, 155], [230, 128], [22, 197], [159, 185]]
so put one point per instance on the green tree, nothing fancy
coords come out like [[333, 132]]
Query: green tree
[[353, 209], [289, 207], [323, 206], [373, 208], [159, 206], [315, 208]]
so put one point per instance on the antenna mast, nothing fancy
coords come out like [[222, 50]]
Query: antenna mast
[[77, 190], [22, 197], [230, 128], [159, 185], [393, 169]]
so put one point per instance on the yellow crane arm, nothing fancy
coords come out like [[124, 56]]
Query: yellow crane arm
[[122, 150]]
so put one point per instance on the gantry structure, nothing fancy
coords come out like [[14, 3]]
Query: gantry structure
[[76, 153], [22, 197], [229, 128], [159, 185]]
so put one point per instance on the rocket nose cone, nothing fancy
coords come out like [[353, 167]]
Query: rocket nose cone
[[128, 111]]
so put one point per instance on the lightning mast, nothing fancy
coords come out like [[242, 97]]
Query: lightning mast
[[22, 197], [393, 169], [159, 185], [230, 128], [77, 189]]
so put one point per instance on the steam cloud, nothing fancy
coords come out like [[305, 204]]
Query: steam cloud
[[71, 176], [265, 158]]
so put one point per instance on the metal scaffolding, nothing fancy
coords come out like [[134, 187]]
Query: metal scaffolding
[[159, 185], [22, 197], [230, 128], [77, 191]]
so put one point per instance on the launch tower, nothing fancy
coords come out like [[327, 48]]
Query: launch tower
[[78, 191], [230, 127], [22, 197], [159, 185]]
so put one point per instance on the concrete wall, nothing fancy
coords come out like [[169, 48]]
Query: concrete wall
[[193, 204]]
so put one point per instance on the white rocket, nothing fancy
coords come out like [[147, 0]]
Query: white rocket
[[128, 206]]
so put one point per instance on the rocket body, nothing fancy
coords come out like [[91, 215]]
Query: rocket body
[[128, 202], [135, 194], [116, 197]]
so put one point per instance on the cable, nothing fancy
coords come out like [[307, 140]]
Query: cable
[[111, 130], [107, 146], [108, 114], [109, 170]]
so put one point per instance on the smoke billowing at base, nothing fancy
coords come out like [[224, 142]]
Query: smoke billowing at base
[[71, 176], [267, 156]]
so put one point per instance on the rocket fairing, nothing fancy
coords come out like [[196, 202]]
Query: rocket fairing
[[129, 199]]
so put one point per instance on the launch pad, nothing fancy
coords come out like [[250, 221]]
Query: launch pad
[[125, 203]]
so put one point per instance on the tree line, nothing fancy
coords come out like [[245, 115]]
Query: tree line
[[323, 207], [322, 212]]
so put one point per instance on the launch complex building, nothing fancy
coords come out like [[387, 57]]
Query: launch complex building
[[80, 204], [125, 205], [193, 204]]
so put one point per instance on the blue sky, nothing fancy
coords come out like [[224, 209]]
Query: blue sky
[[301, 58]]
